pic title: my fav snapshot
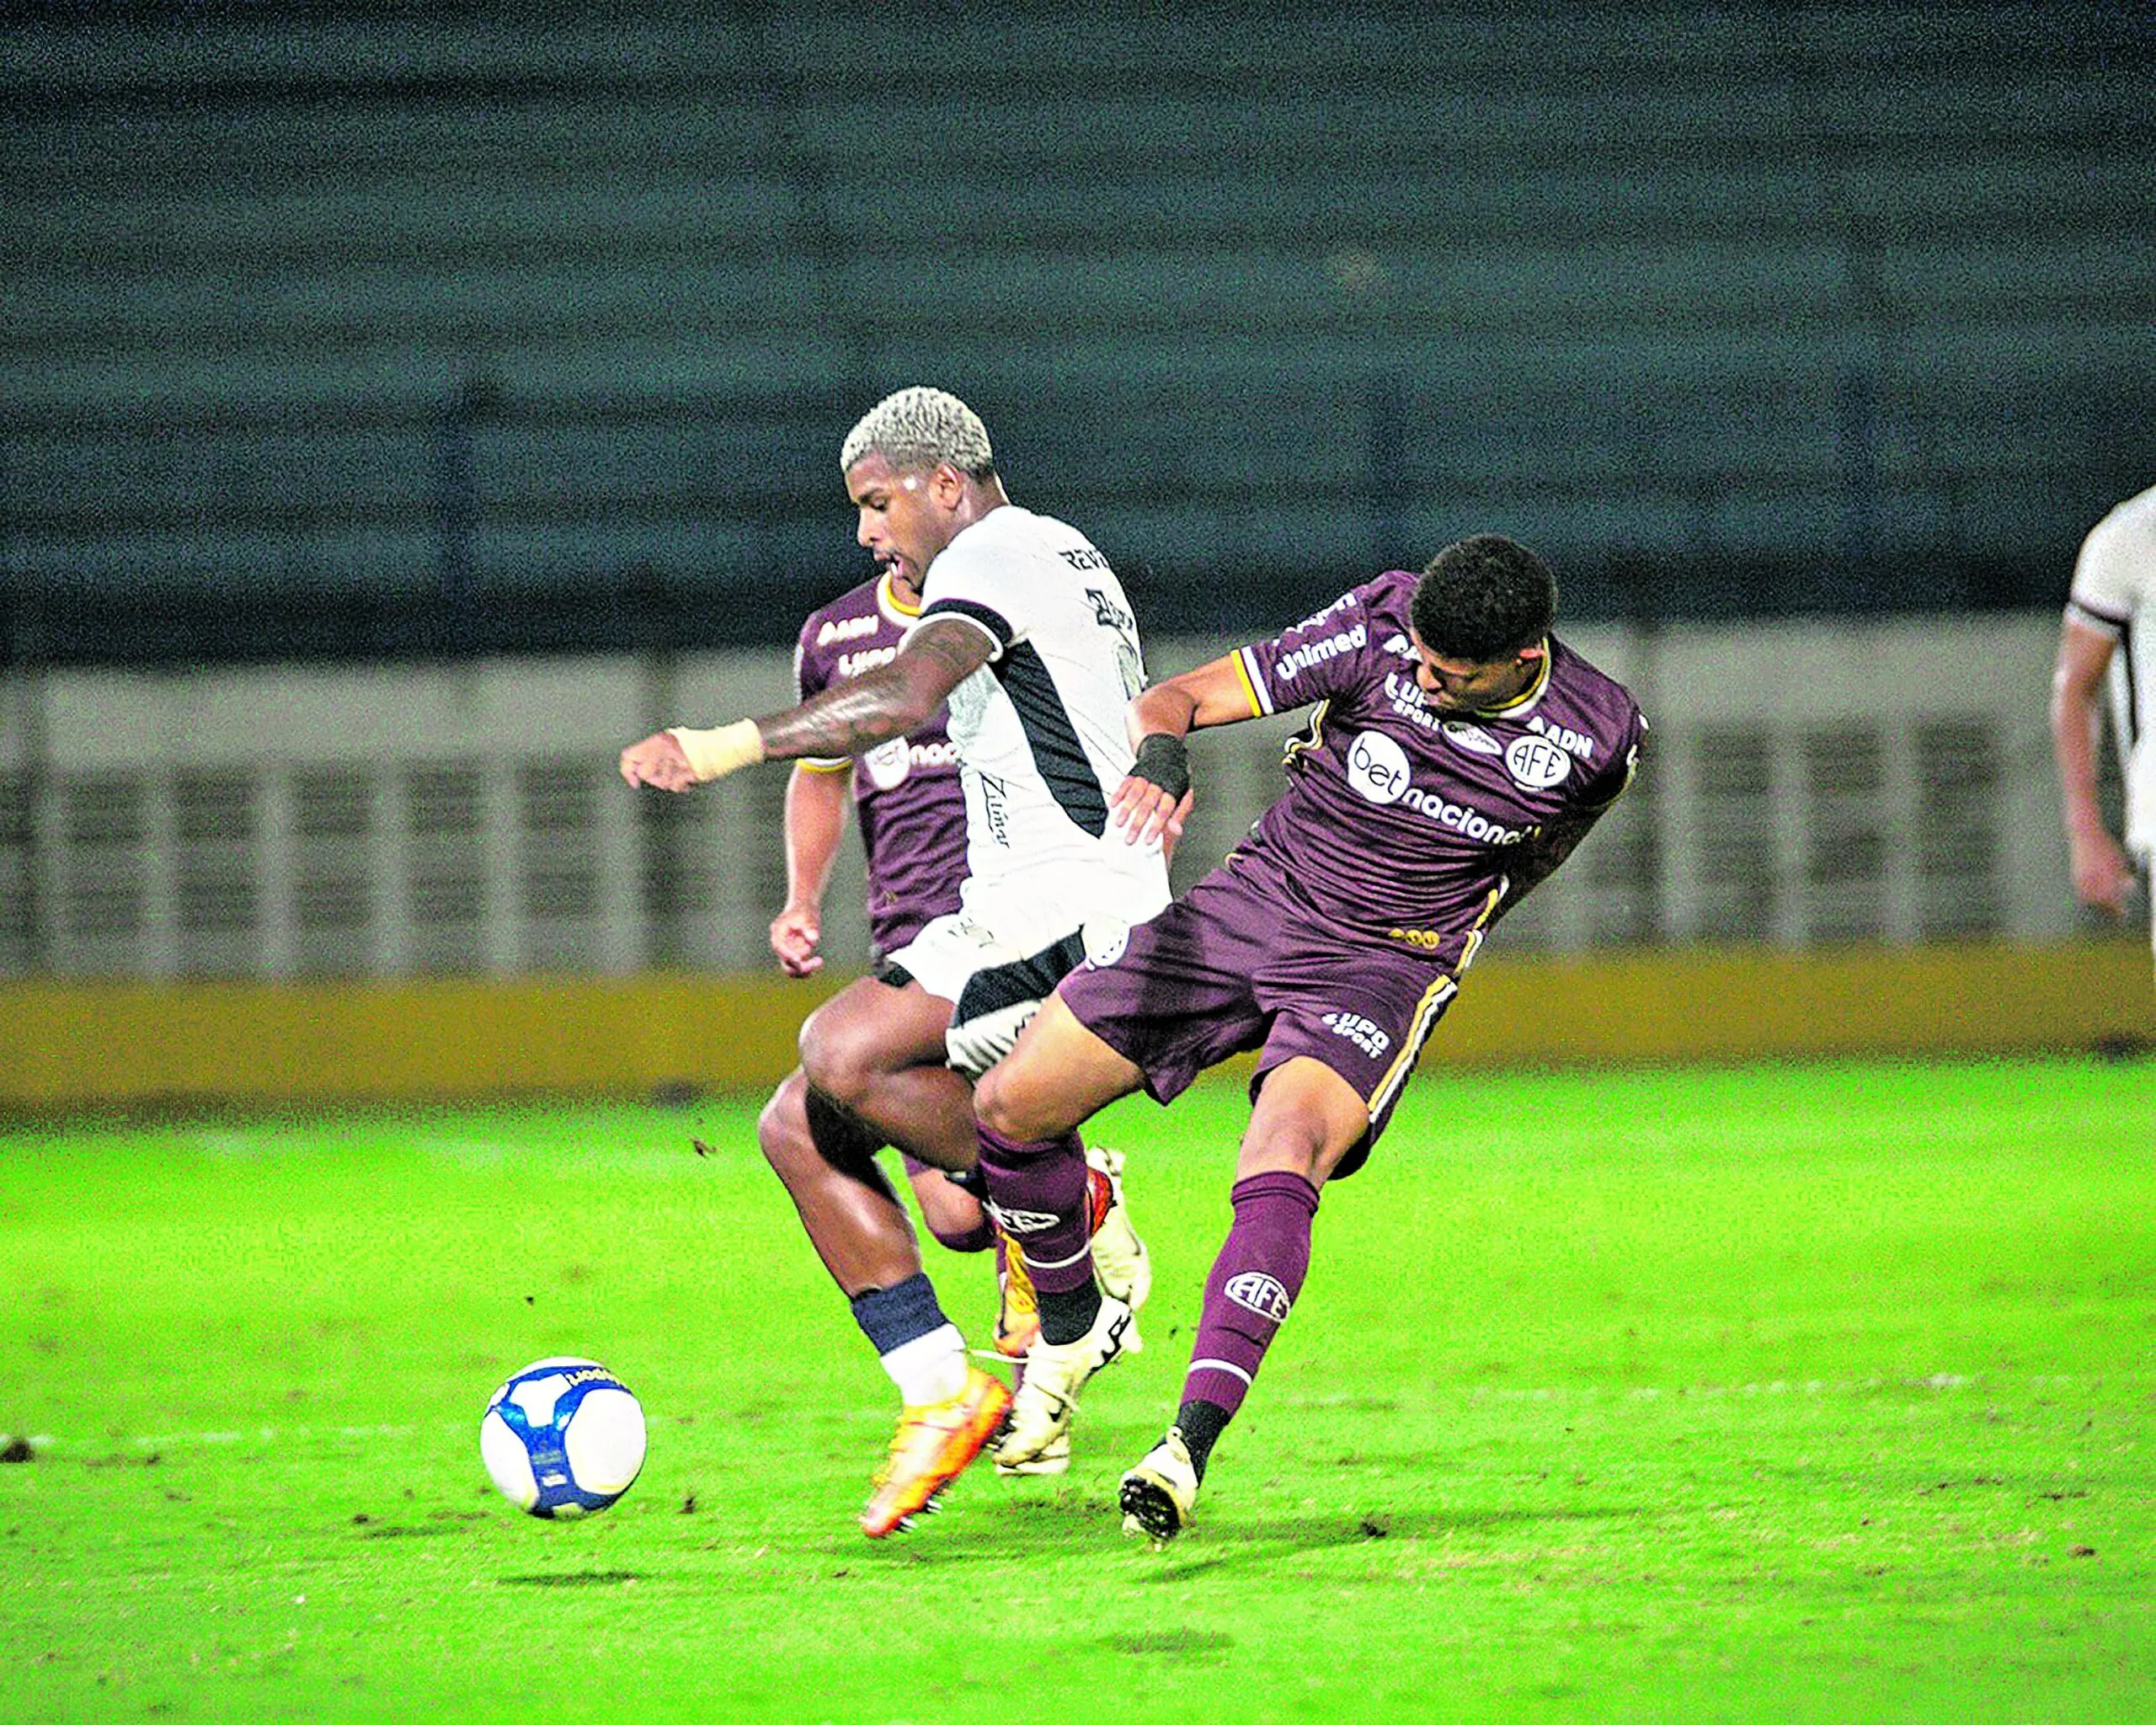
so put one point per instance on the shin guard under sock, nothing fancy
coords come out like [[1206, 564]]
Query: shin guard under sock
[[1253, 1285]]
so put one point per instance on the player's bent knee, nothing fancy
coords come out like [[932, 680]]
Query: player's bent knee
[[832, 1057], [1007, 1102], [952, 1215], [784, 1115], [853, 1040], [783, 1127]]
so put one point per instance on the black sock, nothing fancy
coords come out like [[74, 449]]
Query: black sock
[[1066, 1316], [1201, 1424]]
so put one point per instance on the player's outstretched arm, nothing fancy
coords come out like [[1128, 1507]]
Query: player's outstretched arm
[[1154, 800], [1214, 693], [871, 708], [2101, 874]]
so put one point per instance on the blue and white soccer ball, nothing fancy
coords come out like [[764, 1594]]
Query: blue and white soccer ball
[[562, 1438]]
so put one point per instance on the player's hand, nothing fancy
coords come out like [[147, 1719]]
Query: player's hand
[[1145, 814], [2102, 876], [796, 933], [1150, 803], [657, 760]]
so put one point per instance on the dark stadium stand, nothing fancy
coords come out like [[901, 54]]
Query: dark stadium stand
[[390, 331]]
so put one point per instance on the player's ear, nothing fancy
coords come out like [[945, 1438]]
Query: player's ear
[[946, 485]]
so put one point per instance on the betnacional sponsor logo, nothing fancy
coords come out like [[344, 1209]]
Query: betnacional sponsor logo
[[1377, 768], [846, 628], [1377, 772], [1360, 1031], [1399, 646], [1256, 1291], [1536, 762], [1020, 1221], [890, 765]]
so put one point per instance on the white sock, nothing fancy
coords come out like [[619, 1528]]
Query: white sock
[[930, 1368]]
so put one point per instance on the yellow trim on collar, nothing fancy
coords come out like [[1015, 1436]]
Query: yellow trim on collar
[[1532, 692], [887, 598]]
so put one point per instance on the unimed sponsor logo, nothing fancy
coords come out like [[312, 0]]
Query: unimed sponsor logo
[[1301, 658]]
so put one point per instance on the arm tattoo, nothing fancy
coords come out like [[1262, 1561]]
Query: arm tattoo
[[883, 703]]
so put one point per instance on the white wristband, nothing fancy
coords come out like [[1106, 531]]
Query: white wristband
[[714, 753]]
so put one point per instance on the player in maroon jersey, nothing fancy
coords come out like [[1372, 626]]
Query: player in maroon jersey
[[1458, 753]]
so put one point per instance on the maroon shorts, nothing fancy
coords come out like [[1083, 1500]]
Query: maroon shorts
[[1234, 965]]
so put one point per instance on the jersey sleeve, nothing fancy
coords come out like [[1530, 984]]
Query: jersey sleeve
[[2115, 575], [1614, 779], [808, 672], [1323, 656], [965, 583]]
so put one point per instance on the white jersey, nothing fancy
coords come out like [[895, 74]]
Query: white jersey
[[1039, 728], [2114, 593]]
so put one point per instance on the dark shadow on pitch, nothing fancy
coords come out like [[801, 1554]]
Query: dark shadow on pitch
[[581, 1578]]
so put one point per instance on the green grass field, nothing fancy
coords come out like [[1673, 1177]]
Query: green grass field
[[1820, 1394]]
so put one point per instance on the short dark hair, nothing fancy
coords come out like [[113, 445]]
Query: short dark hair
[[1485, 598]]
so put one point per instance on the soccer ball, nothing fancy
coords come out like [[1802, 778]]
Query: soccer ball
[[563, 1438]]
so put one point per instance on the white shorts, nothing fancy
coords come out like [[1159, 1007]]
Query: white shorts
[[995, 985]]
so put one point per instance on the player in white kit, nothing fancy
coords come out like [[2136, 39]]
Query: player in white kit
[[1025, 632], [2109, 638]]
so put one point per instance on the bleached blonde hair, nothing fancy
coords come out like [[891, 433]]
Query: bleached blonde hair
[[915, 428]]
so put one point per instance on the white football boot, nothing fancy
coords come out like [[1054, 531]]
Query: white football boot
[[1054, 1460], [1159, 1494], [1047, 1396], [1120, 1260]]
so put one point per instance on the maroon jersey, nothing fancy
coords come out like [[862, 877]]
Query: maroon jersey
[[1398, 823], [913, 813]]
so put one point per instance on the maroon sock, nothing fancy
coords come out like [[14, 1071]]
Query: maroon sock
[[1037, 1194], [1254, 1282], [977, 1238]]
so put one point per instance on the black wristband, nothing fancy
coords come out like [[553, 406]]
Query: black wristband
[[1163, 761]]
